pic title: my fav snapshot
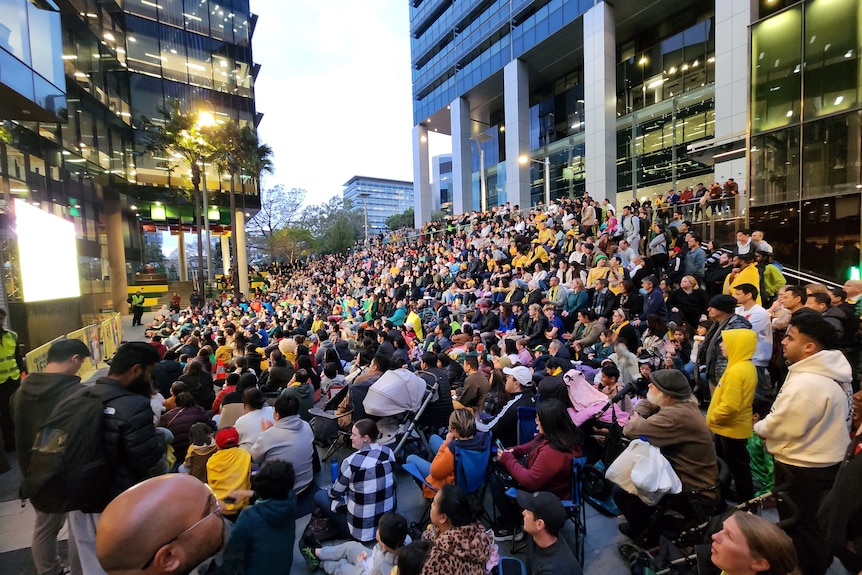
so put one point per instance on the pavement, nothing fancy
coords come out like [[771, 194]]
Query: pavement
[[17, 517]]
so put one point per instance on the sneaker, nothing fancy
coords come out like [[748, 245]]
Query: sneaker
[[310, 559], [626, 530], [508, 535]]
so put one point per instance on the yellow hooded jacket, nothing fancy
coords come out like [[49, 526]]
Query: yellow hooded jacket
[[729, 411], [229, 470]]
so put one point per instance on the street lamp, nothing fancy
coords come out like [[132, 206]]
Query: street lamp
[[364, 196], [547, 163], [480, 139], [206, 120]]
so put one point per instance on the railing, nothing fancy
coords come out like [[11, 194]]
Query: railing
[[806, 278]]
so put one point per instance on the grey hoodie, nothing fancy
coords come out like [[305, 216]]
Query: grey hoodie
[[290, 439]]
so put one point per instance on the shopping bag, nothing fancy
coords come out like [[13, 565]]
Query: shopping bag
[[620, 471], [653, 477]]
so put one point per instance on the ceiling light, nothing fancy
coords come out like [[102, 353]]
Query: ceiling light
[[789, 113], [838, 100], [109, 37], [642, 61]]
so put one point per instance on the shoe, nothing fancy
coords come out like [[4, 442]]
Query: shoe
[[310, 559], [508, 535], [627, 530], [309, 539]]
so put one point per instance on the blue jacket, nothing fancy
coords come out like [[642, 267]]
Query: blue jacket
[[262, 541], [654, 304]]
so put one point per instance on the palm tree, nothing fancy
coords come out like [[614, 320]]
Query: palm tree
[[180, 136], [256, 159]]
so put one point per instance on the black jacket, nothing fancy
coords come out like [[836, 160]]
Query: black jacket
[[33, 404], [133, 448], [166, 373]]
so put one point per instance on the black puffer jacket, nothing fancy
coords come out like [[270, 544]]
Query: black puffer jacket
[[132, 446]]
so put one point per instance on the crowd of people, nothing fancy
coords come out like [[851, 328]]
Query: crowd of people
[[712, 355]]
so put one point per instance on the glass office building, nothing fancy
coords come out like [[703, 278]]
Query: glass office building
[[640, 97], [79, 79], [379, 198]]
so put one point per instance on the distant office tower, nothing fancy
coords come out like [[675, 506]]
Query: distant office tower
[[381, 197]]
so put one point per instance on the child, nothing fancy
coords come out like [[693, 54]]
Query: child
[[352, 558], [202, 447], [229, 470], [761, 461], [261, 542]]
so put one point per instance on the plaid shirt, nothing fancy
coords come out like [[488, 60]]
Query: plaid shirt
[[602, 300], [366, 476]]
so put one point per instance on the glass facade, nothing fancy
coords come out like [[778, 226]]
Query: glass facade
[[384, 198], [806, 124], [117, 62]]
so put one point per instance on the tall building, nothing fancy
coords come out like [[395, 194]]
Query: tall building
[[638, 97], [79, 82], [379, 198]]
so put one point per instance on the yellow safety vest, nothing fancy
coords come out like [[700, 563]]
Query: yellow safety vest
[[137, 299], [8, 365]]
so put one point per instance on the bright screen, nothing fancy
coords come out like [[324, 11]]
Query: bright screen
[[48, 254]]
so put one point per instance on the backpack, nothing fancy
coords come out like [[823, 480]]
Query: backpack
[[69, 470]]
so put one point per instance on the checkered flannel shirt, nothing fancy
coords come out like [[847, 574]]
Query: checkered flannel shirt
[[367, 477]]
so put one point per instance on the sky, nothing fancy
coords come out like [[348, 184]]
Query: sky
[[334, 88]]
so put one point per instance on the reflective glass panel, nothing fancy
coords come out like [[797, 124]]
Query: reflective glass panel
[[776, 56]]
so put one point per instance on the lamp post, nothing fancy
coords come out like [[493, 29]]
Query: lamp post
[[547, 177], [480, 139], [206, 120], [365, 196]]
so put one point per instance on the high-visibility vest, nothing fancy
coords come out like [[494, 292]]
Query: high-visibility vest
[[8, 365], [137, 299]]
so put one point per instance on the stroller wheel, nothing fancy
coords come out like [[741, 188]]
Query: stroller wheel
[[595, 484]]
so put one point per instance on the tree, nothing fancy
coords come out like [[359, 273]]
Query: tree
[[279, 210], [334, 224], [186, 138], [402, 220], [155, 257]]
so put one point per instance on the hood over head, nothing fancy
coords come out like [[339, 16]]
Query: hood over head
[[739, 345]]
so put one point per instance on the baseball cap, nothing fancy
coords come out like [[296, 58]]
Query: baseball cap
[[545, 506], [227, 437], [521, 373]]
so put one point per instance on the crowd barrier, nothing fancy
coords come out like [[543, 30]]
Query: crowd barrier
[[102, 336]]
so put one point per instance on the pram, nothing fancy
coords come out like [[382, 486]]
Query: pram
[[399, 398], [329, 422], [602, 421]]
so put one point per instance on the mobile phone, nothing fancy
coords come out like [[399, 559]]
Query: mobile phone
[[500, 445], [229, 499]]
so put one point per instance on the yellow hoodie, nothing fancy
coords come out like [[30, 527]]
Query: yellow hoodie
[[229, 470], [729, 411]]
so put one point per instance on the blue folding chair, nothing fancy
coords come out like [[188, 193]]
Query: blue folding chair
[[576, 507], [511, 566], [527, 426]]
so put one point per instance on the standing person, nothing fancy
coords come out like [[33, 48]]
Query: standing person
[[133, 448], [722, 310], [11, 366], [136, 300], [807, 432], [695, 258], [730, 411], [761, 323], [32, 404], [544, 518]]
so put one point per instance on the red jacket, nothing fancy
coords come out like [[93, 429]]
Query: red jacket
[[547, 469]]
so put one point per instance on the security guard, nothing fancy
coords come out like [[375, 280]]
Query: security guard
[[137, 302], [11, 366]]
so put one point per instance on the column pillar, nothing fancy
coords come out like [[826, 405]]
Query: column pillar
[[241, 255], [600, 102], [116, 255], [182, 262], [462, 157], [421, 176], [225, 254], [516, 105], [732, 84]]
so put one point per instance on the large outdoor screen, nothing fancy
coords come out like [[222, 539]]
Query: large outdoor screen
[[48, 254]]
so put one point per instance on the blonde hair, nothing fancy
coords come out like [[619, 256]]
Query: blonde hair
[[694, 284], [463, 422], [768, 542], [816, 288]]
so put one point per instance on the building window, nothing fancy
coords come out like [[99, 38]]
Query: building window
[[776, 79]]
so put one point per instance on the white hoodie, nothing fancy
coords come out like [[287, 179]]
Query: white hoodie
[[808, 425]]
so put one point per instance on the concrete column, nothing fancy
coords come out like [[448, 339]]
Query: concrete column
[[462, 158], [600, 80], [182, 261], [241, 255], [421, 176], [225, 254], [516, 105], [116, 255], [732, 83]]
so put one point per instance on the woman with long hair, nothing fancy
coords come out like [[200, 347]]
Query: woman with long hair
[[460, 544], [548, 466], [688, 303], [749, 544], [655, 343]]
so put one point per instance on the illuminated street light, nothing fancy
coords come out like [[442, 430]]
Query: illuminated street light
[[523, 160]]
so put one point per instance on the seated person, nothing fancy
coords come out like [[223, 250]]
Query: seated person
[[462, 435], [670, 419], [519, 388], [548, 464], [544, 518], [353, 557]]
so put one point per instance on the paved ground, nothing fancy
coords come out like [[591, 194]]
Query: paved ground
[[16, 519]]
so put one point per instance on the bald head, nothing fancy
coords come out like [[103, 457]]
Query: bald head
[[167, 524]]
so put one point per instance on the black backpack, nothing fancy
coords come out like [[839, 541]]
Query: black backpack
[[69, 470]]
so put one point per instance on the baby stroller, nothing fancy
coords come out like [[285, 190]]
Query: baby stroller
[[399, 398], [602, 420]]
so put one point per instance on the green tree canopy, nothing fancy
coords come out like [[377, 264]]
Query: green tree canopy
[[399, 221]]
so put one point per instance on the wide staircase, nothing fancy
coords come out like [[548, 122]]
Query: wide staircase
[[158, 292]]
